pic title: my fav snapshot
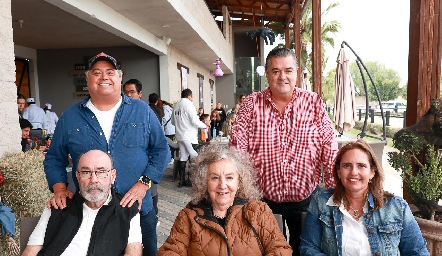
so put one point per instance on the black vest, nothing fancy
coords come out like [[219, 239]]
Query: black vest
[[109, 233]]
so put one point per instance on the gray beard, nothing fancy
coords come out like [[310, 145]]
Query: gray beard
[[95, 196]]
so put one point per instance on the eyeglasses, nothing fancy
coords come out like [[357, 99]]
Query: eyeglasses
[[98, 173], [127, 93]]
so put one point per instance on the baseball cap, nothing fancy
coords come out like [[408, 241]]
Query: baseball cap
[[103, 56], [30, 100], [48, 105]]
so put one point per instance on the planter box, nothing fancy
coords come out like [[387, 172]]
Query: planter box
[[432, 232]]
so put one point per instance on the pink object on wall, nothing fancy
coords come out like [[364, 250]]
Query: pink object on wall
[[218, 71]]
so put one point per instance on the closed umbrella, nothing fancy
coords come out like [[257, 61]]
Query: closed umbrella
[[345, 109]]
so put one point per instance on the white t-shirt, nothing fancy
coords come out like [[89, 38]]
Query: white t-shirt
[[80, 243], [105, 118]]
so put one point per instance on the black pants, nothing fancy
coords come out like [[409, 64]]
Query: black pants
[[292, 216]]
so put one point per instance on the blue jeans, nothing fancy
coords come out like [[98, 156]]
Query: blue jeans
[[148, 224]]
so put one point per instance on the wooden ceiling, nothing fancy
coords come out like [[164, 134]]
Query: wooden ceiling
[[257, 13]]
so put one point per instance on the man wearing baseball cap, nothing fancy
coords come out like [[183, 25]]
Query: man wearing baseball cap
[[34, 114], [125, 128]]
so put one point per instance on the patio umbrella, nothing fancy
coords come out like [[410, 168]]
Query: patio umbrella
[[345, 109]]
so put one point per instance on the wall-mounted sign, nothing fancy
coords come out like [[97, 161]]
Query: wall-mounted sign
[[77, 73], [80, 95], [80, 67], [80, 81]]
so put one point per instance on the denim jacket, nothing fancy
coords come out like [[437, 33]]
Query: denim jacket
[[137, 145], [392, 229]]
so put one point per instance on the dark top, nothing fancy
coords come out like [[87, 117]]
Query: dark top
[[157, 112]]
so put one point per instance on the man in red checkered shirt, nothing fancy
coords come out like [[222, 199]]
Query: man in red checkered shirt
[[288, 134]]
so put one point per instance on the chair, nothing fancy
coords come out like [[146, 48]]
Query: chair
[[283, 226], [27, 225]]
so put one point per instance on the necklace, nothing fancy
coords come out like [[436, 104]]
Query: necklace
[[355, 212], [218, 217]]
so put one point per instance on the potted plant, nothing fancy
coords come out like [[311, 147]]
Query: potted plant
[[419, 158]]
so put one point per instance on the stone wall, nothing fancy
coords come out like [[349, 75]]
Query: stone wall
[[9, 125]]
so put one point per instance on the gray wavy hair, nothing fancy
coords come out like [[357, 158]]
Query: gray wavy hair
[[210, 154]]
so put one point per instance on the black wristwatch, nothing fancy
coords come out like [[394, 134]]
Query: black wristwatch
[[145, 180]]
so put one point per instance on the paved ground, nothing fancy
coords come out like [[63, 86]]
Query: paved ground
[[172, 199]]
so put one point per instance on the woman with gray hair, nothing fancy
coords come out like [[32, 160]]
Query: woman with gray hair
[[225, 216]]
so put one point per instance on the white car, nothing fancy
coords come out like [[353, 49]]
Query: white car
[[393, 107]]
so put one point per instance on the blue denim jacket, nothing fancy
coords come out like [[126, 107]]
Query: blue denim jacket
[[392, 229], [137, 145]]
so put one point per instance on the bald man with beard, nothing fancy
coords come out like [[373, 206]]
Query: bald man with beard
[[93, 222]]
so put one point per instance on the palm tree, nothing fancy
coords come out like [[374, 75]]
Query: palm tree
[[328, 30]]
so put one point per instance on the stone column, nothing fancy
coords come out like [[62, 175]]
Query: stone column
[[10, 132]]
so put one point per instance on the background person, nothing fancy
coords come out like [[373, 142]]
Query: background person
[[240, 100], [86, 227], [358, 217], [227, 127], [186, 124], [204, 135], [169, 128], [34, 114], [225, 214], [222, 115], [51, 119], [133, 88], [21, 104], [153, 101], [26, 127], [215, 121], [200, 112], [289, 136], [111, 122]]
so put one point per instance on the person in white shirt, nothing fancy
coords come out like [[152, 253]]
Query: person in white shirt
[[93, 221], [51, 119], [169, 128], [34, 114], [186, 123]]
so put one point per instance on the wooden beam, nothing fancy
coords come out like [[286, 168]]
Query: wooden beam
[[316, 47], [297, 41], [424, 60], [437, 50]]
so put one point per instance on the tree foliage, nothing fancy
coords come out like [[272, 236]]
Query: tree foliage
[[386, 79], [328, 30], [328, 87]]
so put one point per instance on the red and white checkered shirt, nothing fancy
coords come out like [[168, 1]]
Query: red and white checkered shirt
[[287, 150]]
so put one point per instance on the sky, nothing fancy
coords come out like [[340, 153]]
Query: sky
[[377, 30]]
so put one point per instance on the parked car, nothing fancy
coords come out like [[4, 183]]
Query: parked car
[[393, 107]]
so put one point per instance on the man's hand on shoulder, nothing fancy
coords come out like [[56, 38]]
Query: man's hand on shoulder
[[58, 201], [136, 193]]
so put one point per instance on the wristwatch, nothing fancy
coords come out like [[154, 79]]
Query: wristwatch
[[146, 181]]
